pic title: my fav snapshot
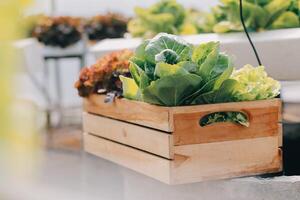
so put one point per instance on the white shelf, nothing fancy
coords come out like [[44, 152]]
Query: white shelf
[[278, 49], [75, 49]]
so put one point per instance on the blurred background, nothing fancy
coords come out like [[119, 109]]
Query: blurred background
[[94, 7], [45, 43]]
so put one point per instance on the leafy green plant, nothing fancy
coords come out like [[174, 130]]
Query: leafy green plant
[[217, 117], [60, 31], [168, 71], [197, 22], [103, 76], [254, 84], [258, 15], [164, 16], [110, 25], [170, 17]]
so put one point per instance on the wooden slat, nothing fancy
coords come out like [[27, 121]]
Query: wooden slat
[[263, 116], [233, 105], [131, 111], [228, 159], [280, 135], [153, 141], [145, 163], [194, 163]]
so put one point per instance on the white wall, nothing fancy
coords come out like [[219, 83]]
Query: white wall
[[92, 7]]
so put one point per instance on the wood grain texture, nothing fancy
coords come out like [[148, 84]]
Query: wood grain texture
[[195, 163], [120, 133], [280, 135], [131, 111], [145, 163], [199, 162], [150, 140], [263, 116]]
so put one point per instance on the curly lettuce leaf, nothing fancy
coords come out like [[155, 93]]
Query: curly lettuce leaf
[[254, 84]]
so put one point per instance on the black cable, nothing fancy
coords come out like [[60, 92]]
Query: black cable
[[247, 34]]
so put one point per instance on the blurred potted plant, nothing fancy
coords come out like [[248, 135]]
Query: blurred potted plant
[[60, 35], [111, 25], [103, 76], [258, 15]]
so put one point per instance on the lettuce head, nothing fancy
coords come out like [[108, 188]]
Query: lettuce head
[[167, 70], [254, 84]]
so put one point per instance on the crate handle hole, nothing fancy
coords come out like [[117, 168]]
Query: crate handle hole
[[235, 117]]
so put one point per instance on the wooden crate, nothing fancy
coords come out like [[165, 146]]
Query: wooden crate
[[168, 144]]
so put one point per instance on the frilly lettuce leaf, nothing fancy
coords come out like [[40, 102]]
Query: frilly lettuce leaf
[[254, 84]]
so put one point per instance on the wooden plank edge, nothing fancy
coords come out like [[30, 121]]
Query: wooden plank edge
[[277, 132], [280, 135], [276, 102], [129, 134], [200, 162], [93, 99], [276, 167], [144, 163]]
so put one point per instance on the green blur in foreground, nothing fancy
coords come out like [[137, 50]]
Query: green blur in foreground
[[168, 71], [18, 132], [259, 15]]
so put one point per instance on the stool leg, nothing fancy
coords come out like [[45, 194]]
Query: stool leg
[[82, 61], [46, 90], [58, 90]]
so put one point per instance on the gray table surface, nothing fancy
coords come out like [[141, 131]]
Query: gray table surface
[[80, 176]]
